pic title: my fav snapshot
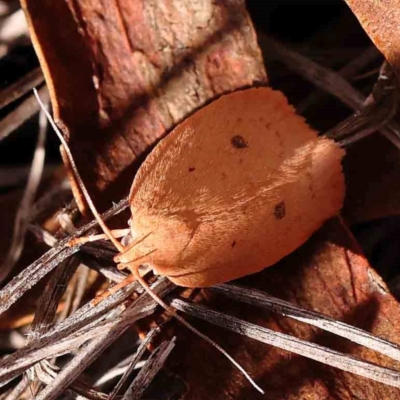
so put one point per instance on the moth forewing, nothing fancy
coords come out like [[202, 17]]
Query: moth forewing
[[236, 187]]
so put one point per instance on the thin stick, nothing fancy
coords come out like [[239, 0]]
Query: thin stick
[[170, 310], [91, 205]]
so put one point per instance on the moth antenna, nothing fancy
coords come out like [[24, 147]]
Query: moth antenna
[[78, 178], [132, 244], [173, 313], [121, 248]]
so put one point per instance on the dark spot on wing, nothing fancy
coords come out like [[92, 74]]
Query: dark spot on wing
[[239, 142], [233, 244], [191, 169], [280, 210]]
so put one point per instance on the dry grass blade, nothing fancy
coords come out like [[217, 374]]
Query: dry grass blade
[[42, 235], [149, 370], [75, 292], [33, 274], [87, 323], [47, 308], [102, 249], [350, 69], [139, 353], [60, 339], [89, 313], [22, 217], [21, 113], [379, 108], [55, 198], [321, 77], [47, 375], [116, 371], [13, 31], [41, 267], [47, 305], [17, 363], [21, 87], [263, 300], [85, 393], [289, 343], [80, 362], [119, 323], [330, 82], [108, 271], [17, 391]]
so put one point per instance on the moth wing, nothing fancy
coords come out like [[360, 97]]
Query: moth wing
[[234, 188], [257, 233], [224, 150]]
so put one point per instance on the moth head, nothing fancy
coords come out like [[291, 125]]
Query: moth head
[[155, 239]]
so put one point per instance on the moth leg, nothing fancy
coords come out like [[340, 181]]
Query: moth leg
[[129, 279], [117, 233]]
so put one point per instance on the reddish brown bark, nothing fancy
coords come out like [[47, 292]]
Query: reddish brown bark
[[121, 74]]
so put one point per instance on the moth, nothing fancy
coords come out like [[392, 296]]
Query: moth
[[234, 188]]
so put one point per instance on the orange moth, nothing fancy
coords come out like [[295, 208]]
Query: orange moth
[[234, 188], [237, 186]]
